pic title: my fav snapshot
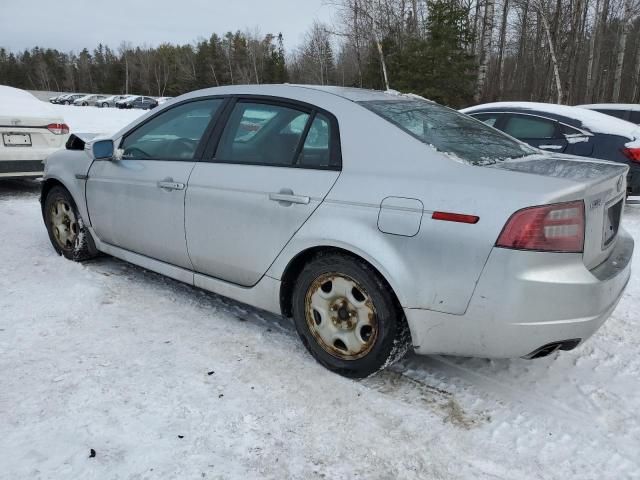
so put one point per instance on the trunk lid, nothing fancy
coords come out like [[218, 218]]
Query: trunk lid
[[605, 185]]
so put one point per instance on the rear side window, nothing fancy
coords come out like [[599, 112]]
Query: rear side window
[[449, 131], [262, 134], [635, 116], [174, 134], [486, 118], [530, 127], [315, 151], [622, 114]]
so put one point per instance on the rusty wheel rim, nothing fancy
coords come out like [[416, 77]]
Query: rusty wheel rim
[[64, 224], [341, 316]]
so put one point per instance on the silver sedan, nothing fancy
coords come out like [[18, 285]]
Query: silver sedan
[[379, 222]]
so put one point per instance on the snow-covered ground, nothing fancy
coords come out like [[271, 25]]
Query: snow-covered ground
[[162, 380], [96, 120]]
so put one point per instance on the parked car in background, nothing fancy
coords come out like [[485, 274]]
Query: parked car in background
[[60, 98], [55, 98], [70, 98], [89, 100], [162, 100], [465, 241], [624, 111], [136, 101], [30, 130], [570, 130], [111, 100]]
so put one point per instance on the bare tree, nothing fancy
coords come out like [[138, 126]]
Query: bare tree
[[627, 22], [485, 49]]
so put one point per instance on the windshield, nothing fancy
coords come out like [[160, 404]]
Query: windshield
[[450, 131]]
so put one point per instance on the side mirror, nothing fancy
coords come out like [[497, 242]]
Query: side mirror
[[103, 150]]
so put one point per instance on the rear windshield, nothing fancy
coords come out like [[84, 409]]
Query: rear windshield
[[450, 131]]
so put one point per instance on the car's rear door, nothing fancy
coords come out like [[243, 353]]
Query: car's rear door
[[538, 131], [137, 202], [272, 164]]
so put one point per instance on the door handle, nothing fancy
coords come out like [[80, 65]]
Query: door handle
[[169, 184], [287, 197], [551, 147]]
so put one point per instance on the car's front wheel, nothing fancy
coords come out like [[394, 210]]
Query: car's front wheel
[[347, 316], [105, 105], [68, 234]]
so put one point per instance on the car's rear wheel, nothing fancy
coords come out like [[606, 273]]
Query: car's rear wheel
[[85, 104], [105, 105], [347, 316], [68, 234]]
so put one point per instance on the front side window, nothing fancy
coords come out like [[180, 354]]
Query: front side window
[[449, 131], [172, 135], [262, 134], [530, 127]]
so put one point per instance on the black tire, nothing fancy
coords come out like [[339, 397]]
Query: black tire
[[392, 338], [85, 104], [83, 246], [105, 105]]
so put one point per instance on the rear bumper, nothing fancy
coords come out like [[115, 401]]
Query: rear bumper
[[21, 168], [525, 300]]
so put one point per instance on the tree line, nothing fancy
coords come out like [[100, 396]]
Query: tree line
[[457, 52]]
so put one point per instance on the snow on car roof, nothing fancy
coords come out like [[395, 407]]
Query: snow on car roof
[[19, 104], [612, 106], [594, 121]]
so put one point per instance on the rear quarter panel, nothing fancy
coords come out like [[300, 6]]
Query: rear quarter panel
[[439, 267]]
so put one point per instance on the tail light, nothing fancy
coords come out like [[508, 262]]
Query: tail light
[[632, 154], [58, 128], [551, 228]]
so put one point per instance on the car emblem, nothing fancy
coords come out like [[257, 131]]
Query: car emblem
[[619, 184]]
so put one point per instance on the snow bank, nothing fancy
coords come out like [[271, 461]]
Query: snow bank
[[595, 121], [104, 121]]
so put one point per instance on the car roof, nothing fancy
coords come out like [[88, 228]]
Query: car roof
[[349, 93], [591, 120]]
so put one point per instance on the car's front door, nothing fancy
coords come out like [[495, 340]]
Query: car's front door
[[137, 202], [535, 130], [273, 165]]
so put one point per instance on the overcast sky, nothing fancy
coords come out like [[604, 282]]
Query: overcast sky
[[75, 24]]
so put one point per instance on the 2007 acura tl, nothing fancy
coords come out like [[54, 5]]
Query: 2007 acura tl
[[377, 221]]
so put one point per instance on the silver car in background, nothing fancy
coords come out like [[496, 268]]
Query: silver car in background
[[110, 101], [379, 222], [89, 100]]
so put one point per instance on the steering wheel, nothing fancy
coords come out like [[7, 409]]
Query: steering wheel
[[185, 142], [133, 152]]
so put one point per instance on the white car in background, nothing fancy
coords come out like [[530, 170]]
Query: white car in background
[[30, 130]]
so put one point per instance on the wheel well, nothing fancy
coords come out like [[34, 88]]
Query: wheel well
[[298, 262], [46, 188]]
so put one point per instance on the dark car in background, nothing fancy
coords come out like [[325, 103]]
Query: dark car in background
[[70, 98], [137, 101], [624, 111], [568, 130]]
